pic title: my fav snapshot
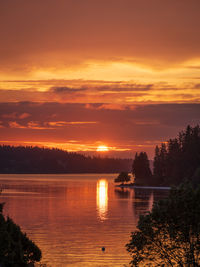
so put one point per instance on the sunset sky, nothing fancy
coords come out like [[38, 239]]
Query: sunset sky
[[81, 74]]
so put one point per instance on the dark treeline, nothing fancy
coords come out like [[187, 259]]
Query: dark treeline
[[141, 169], [175, 161], [43, 160], [179, 158]]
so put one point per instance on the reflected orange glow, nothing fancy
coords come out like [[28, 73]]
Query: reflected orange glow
[[151, 201], [102, 199], [102, 148]]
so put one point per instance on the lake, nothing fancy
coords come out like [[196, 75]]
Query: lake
[[72, 216]]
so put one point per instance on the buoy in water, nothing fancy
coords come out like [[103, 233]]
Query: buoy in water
[[103, 248]]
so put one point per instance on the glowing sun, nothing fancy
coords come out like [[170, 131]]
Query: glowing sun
[[102, 148]]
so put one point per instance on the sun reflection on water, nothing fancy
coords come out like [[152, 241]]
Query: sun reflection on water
[[102, 199]]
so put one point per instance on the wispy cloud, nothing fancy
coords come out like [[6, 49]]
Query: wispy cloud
[[14, 115], [66, 123], [65, 89], [29, 125], [42, 125], [108, 93]]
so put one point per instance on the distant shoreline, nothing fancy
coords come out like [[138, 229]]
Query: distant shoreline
[[25, 173], [144, 187], [36, 160]]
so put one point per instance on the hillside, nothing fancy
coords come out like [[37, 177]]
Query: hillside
[[43, 160]]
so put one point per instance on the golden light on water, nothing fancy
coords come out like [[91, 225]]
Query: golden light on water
[[102, 199]]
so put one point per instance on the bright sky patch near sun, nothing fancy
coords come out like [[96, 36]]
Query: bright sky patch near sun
[[129, 63], [102, 148]]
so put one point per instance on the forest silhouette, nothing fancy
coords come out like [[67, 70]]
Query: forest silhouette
[[43, 160], [175, 161]]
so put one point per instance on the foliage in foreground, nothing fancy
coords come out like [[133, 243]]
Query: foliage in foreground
[[16, 249], [169, 235]]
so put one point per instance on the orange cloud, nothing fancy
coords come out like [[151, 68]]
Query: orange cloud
[[44, 125], [120, 94], [14, 115], [64, 123], [30, 125], [157, 34], [14, 124], [24, 115]]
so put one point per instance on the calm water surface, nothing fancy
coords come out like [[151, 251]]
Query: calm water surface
[[70, 217]]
